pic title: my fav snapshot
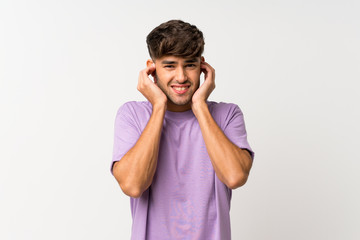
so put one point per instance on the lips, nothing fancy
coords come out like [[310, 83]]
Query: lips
[[180, 89]]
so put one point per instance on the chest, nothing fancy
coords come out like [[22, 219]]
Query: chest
[[183, 157]]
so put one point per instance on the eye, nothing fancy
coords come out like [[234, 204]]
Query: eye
[[168, 66], [191, 65]]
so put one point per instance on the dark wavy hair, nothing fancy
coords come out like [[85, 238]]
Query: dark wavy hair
[[175, 38]]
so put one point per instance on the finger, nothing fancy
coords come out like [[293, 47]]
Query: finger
[[207, 70], [144, 74], [207, 66], [149, 70], [204, 68]]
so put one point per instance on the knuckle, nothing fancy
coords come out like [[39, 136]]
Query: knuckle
[[140, 85]]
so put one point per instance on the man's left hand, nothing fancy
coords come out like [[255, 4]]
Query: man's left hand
[[204, 91]]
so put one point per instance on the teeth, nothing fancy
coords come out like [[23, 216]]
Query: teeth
[[180, 88]]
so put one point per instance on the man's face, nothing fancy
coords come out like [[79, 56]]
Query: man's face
[[178, 78]]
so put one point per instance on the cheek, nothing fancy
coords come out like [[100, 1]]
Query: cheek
[[197, 73], [197, 83], [163, 77], [196, 77], [159, 77], [160, 81]]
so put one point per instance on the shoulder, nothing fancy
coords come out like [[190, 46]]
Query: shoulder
[[221, 108], [224, 113], [134, 114], [135, 108]]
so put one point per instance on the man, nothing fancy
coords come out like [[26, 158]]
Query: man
[[177, 155]]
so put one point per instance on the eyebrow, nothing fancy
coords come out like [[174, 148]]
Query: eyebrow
[[191, 60], [168, 62], [174, 62]]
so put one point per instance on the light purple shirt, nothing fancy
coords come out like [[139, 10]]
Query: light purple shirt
[[186, 200]]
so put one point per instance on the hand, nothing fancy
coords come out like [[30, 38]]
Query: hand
[[149, 89], [203, 92]]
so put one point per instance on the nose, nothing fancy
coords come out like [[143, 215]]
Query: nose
[[181, 75]]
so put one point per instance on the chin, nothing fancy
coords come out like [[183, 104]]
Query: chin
[[180, 102]]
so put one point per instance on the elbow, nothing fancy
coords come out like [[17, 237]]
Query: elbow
[[134, 193], [237, 181], [128, 188], [131, 191], [240, 176]]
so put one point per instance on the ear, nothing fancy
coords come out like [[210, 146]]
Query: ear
[[202, 60], [149, 62]]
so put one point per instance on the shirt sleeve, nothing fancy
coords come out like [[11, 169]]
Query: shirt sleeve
[[126, 133], [235, 129]]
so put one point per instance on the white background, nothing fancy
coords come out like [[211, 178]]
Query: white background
[[66, 66]]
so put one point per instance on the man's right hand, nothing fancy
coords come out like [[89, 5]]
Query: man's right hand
[[149, 89], [136, 169]]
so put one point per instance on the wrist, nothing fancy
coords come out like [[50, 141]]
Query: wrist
[[198, 106], [159, 107]]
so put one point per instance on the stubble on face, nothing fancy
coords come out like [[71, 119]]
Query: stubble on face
[[171, 100]]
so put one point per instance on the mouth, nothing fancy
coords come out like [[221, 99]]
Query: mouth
[[180, 89]]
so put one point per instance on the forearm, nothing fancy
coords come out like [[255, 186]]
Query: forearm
[[231, 164], [135, 171]]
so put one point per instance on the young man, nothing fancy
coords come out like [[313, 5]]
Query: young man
[[177, 155]]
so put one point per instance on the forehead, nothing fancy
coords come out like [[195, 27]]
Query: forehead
[[174, 59]]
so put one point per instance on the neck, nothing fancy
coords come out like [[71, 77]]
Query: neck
[[178, 108]]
